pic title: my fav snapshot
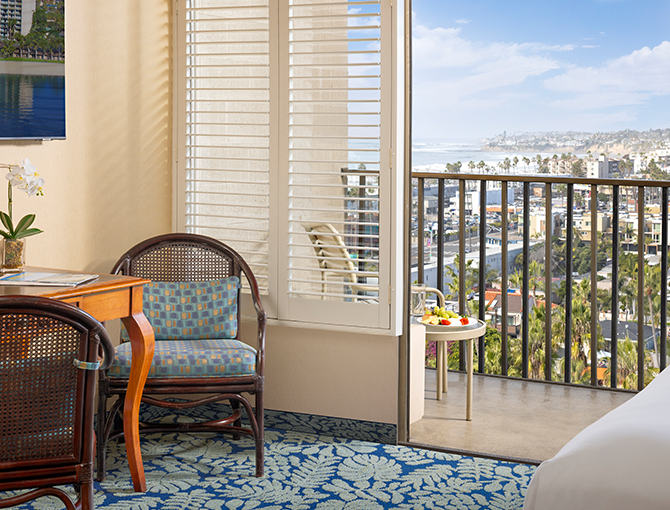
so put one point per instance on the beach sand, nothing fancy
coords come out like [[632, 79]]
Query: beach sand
[[34, 68]]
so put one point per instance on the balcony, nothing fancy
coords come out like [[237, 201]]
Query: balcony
[[525, 407]]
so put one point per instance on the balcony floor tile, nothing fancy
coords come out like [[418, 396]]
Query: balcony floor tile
[[510, 418]]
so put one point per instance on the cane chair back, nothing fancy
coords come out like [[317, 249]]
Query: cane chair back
[[48, 359], [199, 279]]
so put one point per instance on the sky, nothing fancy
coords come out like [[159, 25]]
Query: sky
[[481, 67]]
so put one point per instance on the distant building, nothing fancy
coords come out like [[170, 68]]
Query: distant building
[[514, 310], [627, 329], [27, 10], [9, 9], [561, 166], [20, 10], [601, 168]]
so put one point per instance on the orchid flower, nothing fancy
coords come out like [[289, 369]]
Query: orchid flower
[[33, 185], [25, 178], [16, 175]]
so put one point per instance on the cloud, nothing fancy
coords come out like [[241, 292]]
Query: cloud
[[458, 68], [628, 80], [462, 21]]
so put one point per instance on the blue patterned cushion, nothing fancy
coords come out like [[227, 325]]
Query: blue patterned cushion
[[191, 310], [195, 324], [191, 358]]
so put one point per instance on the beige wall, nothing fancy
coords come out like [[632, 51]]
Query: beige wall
[[328, 373], [108, 185]]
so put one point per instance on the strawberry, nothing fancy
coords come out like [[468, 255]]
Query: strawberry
[[465, 320], [445, 322]]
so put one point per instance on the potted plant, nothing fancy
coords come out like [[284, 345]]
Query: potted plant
[[23, 177]]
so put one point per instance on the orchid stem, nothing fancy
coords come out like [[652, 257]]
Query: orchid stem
[[9, 201]]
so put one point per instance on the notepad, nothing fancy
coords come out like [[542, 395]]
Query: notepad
[[46, 279]]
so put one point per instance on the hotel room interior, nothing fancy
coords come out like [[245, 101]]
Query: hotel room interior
[[343, 380]]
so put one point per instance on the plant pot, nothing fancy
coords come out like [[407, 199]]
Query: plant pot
[[13, 254]]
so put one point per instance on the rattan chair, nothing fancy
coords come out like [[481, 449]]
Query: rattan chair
[[48, 359], [192, 304]]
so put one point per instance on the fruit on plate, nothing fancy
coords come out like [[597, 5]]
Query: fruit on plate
[[443, 317]]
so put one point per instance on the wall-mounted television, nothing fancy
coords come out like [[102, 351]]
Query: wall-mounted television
[[32, 69]]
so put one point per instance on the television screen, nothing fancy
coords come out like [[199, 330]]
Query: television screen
[[32, 69]]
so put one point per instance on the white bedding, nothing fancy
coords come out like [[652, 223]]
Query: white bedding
[[620, 462]]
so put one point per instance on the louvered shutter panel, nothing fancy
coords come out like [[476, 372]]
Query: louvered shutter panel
[[283, 117], [336, 166], [226, 126]]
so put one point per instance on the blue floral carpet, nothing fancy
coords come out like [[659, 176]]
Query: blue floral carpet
[[303, 471]]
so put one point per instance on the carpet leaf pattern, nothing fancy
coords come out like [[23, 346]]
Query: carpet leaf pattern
[[303, 471]]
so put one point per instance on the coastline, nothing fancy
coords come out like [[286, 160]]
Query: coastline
[[595, 149], [32, 68]]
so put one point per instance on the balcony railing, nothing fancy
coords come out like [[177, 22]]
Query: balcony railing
[[542, 232]]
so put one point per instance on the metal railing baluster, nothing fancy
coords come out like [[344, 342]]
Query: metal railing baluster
[[481, 356], [525, 293], [614, 348], [568, 285], [461, 267], [504, 278], [594, 285], [548, 231], [664, 278], [640, 287], [440, 234], [420, 230]]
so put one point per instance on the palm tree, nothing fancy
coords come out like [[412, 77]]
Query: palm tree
[[652, 290], [581, 328], [506, 165], [452, 287], [537, 357], [627, 366], [628, 232], [535, 278]]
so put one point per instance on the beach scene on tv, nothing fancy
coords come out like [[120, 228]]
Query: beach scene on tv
[[32, 69]]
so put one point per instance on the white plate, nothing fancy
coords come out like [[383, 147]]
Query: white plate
[[474, 323]]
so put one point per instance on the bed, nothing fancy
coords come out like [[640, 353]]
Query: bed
[[620, 462]]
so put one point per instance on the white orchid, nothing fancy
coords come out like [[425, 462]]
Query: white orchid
[[16, 175], [33, 185], [25, 178]]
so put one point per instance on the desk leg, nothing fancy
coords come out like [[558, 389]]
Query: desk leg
[[468, 402], [142, 343]]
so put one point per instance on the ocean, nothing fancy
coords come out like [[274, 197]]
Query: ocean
[[433, 156]]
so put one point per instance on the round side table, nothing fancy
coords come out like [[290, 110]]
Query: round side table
[[443, 334]]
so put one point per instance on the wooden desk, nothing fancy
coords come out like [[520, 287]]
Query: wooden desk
[[107, 298]]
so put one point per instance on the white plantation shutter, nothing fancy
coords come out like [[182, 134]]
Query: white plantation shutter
[[226, 126], [336, 167], [285, 140]]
